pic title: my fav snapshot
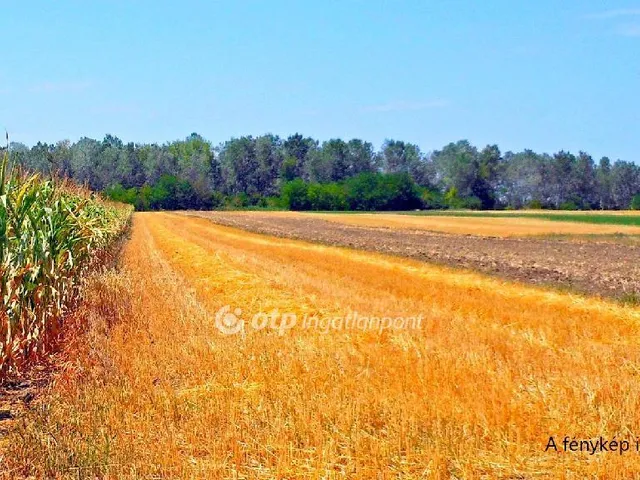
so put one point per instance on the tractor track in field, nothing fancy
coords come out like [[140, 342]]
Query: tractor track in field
[[606, 269]]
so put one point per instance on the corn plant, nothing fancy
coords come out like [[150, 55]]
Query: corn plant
[[50, 234]]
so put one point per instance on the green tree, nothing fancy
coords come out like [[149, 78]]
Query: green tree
[[375, 191], [561, 177], [270, 158], [402, 157], [298, 147], [241, 169], [583, 184], [603, 184], [327, 196], [459, 166], [289, 169], [294, 195], [625, 182]]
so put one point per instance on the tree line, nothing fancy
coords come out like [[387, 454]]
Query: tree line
[[302, 173]]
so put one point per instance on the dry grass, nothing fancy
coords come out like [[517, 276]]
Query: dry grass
[[495, 369], [485, 226]]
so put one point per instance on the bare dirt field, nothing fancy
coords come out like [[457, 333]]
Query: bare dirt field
[[604, 268]]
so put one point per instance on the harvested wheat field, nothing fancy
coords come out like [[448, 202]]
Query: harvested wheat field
[[473, 224], [295, 378]]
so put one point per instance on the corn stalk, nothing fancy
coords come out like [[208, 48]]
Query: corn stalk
[[49, 233]]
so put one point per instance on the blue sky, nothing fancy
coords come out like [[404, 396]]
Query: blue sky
[[546, 75]]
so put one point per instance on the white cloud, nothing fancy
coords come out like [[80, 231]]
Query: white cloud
[[616, 13], [629, 30], [55, 87], [626, 30], [118, 109], [407, 106]]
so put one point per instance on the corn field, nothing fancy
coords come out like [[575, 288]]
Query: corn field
[[51, 234]]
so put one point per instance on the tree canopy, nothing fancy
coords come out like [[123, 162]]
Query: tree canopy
[[300, 172]]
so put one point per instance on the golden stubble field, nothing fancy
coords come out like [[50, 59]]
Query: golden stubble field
[[155, 390], [499, 226]]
